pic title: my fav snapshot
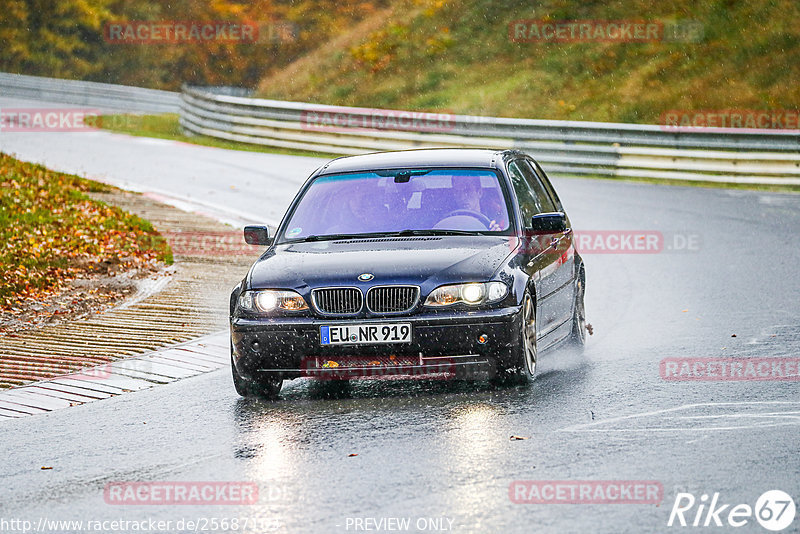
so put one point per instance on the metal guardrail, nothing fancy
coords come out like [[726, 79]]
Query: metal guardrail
[[563, 147], [91, 94]]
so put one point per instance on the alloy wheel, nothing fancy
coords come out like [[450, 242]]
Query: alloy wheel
[[529, 334]]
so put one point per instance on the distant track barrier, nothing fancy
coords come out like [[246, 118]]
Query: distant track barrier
[[734, 155], [91, 94], [563, 147]]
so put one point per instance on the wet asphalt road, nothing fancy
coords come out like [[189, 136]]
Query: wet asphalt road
[[441, 450]]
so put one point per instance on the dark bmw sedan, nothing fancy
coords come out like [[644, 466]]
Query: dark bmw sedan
[[449, 263]]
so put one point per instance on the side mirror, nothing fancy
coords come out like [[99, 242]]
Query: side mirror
[[257, 235], [549, 223]]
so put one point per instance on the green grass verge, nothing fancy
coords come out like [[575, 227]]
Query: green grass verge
[[52, 231]]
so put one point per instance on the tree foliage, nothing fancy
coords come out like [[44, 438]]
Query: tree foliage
[[60, 38], [65, 38]]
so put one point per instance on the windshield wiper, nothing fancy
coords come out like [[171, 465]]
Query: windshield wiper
[[368, 235], [434, 232], [334, 237]]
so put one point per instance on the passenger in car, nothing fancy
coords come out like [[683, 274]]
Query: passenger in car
[[364, 210]]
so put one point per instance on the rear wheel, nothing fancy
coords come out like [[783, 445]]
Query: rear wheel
[[266, 388], [578, 335]]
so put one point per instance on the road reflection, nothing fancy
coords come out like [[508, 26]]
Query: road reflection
[[320, 439]]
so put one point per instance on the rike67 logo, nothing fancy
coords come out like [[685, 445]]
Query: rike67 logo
[[774, 510]]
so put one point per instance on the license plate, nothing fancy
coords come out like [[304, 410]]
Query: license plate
[[365, 333]]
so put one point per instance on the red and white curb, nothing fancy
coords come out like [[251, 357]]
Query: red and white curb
[[162, 366]]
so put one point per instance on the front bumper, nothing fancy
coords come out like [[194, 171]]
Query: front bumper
[[442, 342]]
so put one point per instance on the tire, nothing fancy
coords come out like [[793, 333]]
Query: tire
[[578, 335], [525, 355], [264, 388]]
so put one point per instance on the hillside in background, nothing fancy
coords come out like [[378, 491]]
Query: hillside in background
[[71, 38], [457, 56], [438, 55]]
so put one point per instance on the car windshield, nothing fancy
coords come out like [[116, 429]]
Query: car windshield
[[414, 201]]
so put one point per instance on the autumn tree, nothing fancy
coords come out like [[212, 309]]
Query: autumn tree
[[57, 38]]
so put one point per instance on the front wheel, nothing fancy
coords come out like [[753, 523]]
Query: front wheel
[[525, 354], [265, 388]]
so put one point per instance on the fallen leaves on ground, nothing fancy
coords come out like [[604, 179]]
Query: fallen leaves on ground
[[52, 232]]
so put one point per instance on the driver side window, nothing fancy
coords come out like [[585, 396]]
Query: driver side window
[[529, 204]]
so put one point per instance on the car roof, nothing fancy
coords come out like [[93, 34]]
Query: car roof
[[426, 157]]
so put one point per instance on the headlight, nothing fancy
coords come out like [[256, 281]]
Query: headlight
[[473, 294], [267, 300]]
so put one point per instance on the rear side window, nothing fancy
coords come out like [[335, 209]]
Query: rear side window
[[530, 201], [547, 185], [545, 202]]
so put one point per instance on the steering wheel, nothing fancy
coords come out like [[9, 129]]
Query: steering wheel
[[476, 214]]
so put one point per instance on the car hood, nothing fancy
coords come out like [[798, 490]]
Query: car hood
[[423, 261]]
